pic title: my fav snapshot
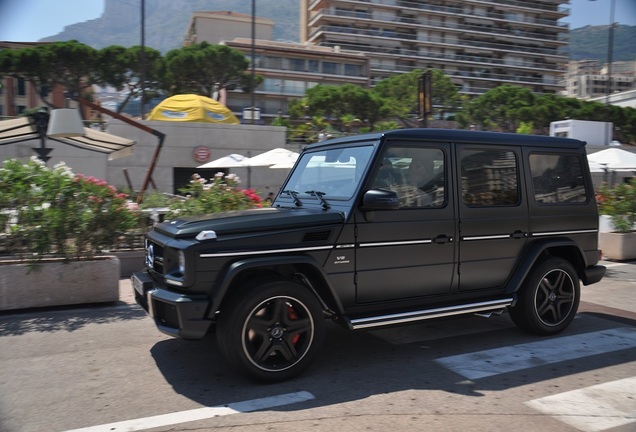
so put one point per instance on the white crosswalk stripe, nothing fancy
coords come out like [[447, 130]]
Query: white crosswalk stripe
[[590, 409], [491, 362], [593, 409]]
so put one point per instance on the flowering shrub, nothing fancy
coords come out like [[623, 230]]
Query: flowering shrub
[[56, 212], [221, 193], [619, 202]]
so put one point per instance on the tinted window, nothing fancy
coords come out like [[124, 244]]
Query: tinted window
[[489, 178], [557, 178], [415, 174]]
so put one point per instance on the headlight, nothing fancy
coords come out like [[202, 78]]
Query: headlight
[[150, 254], [182, 262]]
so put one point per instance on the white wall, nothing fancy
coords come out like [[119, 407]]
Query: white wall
[[178, 151]]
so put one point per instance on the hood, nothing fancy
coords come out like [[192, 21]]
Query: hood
[[252, 221]]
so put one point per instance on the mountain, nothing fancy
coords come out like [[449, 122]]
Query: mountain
[[591, 42], [166, 22]]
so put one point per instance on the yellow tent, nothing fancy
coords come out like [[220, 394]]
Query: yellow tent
[[192, 108]]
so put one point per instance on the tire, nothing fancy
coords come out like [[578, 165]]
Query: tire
[[271, 332], [548, 299]]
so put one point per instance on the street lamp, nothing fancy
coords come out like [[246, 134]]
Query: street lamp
[[610, 49], [60, 123]]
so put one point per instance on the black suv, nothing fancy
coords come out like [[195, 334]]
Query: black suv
[[382, 229]]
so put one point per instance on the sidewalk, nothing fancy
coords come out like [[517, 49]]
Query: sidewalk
[[126, 291]]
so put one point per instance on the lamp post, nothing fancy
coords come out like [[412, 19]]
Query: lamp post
[[253, 74], [608, 87], [60, 123], [41, 119]]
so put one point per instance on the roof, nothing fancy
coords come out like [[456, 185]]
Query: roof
[[24, 129], [461, 136]]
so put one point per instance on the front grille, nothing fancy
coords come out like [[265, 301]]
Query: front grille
[[166, 314], [154, 257]]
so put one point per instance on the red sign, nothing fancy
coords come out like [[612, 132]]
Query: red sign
[[202, 154]]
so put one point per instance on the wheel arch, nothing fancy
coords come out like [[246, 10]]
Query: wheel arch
[[302, 269], [538, 251]]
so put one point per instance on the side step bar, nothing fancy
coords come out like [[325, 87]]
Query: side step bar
[[398, 318]]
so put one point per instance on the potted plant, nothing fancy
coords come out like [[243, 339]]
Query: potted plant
[[56, 229], [619, 203]]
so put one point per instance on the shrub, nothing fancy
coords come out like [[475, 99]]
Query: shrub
[[54, 212], [219, 194], [619, 202]]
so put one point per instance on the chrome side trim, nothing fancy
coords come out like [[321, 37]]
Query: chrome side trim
[[399, 318], [264, 252], [396, 243], [487, 237], [551, 233]]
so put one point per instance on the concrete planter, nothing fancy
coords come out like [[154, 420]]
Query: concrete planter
[[52, 282], [618, 246], [130, 261]]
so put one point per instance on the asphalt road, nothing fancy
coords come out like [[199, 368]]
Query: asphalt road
[[107, 368]]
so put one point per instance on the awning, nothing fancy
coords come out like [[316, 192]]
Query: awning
[[24, 129]]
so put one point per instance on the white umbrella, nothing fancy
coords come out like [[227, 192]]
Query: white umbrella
[[273, 157], [614, 159], [596, 167], [230, 161]]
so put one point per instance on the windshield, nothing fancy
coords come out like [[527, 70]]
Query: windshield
[[332, 174]]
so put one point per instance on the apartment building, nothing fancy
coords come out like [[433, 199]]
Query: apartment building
[[290, 69], [480, 44], [216, 26], [588, 79]]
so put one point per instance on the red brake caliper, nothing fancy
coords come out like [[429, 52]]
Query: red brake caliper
[[291, 313]]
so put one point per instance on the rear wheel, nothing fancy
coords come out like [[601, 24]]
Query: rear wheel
[[548, 299], [271, 332]]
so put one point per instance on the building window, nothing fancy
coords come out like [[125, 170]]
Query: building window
[[330, 68], [21, 87], [352, 70], [273, 63], [313, 66], [297, 65]]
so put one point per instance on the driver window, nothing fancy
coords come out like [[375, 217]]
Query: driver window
[[415, 174]]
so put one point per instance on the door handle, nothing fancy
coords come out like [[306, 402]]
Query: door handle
[[442, 238], [518, 235]]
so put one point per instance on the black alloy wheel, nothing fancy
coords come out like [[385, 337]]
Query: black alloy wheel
[[271, 332], [549, 298]]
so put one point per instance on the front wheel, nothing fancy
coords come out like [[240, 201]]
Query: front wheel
[[271, 332], [548, 299]]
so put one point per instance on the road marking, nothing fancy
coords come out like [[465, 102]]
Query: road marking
[[199, 414], [595, 408], [486, 363]]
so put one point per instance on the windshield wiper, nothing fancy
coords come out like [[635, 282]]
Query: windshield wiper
[[294, 195], [319, 195]]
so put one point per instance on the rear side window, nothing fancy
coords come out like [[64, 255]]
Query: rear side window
[[489, 178], [557, 178]]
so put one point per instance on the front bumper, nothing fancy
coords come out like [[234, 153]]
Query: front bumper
[[175, 314]]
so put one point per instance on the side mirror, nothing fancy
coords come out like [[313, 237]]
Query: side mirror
[[380, 199]]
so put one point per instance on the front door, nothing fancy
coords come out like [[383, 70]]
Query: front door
[[408, 253]]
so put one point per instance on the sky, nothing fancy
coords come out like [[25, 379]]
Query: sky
[[31, 20]]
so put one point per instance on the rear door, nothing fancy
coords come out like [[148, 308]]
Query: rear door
[[493, 220]]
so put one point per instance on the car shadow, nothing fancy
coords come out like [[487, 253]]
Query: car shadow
[[357, 365]]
